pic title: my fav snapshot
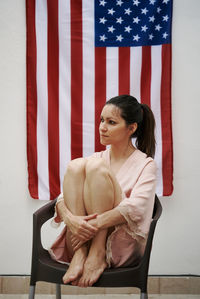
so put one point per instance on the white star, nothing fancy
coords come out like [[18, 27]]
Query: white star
[[152, 2], [136, 20], [102, 2], [111, 29], [119, 20], [136, 2], [165, 35], [128, 29], [120, 2], [119, 38], [165, 18], [127, 11], [103, 38], [165, 1], [102, 20], [111, 11], [151, 19], [159, 10], [144, 10], [136, 37], [144, 28], [151, 36], [158, 27]]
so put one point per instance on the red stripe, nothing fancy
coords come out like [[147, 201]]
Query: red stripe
[[76, 78], [166, 119], [124, 70], [146, 76], [31, 100], [100, 91], [53, 98]]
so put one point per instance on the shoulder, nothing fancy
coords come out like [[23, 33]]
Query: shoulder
[[145, 162]]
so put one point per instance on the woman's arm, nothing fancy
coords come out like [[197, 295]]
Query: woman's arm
[[108, 219], [78, 225]]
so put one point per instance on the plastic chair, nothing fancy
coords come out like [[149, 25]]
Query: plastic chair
[[46, 269]]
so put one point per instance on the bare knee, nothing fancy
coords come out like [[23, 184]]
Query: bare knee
[[96, 166], [75, 167]]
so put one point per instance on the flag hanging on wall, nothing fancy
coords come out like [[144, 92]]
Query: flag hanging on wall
[[80, 53]]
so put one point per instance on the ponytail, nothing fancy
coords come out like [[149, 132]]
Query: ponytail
[[145, 136]]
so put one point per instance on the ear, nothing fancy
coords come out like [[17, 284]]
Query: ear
[[133, 128]]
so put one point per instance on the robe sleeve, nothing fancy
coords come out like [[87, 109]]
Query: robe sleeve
[[137, 209], [55, 222]]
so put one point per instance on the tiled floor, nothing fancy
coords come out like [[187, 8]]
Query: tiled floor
[[108, 296]]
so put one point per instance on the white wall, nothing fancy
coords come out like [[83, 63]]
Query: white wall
[[177, 244]]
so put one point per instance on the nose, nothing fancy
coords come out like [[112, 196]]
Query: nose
[[103, 127]]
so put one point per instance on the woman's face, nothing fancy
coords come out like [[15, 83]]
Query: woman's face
[[113, 128]]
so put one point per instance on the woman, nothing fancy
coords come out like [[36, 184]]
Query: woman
[[108, 198]]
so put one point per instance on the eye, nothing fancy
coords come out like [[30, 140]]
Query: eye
[[112, 122], [101, 119]]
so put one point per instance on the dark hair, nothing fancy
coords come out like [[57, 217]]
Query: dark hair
[[134, 112]]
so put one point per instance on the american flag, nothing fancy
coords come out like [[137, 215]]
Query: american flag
[[80, 53]]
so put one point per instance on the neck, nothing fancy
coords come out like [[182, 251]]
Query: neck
[[121, 151]]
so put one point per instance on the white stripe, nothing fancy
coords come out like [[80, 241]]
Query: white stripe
[[64, 86], [135, 71], [112, 69], [42, 97], [88, 79], [156, 62]]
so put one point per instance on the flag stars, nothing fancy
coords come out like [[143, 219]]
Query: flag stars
[[119, 20], [158, 9], [144, 11], [136, 2], [119, 38], [144, 28], [158, 27], [127, 11], [102, 20], [127, 29], [151, 19], [136, 20], [136, 38], [152, 2], [165, 35], [165, 1], [102, 2], [151, 36], [166, 18], [111, 11], [111, 29], [103, 38], [119, 2]]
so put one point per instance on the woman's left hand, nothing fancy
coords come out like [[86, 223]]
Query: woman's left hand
[[76, 243]]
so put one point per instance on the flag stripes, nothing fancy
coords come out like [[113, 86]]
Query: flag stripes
[[68, 82]]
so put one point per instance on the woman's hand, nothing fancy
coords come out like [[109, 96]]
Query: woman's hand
[[76, 242], [80, 228]]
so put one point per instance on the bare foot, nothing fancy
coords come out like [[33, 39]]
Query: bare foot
[[75, 269], [92, 270]]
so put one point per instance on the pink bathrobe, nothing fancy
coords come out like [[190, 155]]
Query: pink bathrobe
[[125, 245]]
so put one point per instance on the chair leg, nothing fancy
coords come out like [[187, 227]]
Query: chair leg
[[58, 291], [143, 296], [32, 292]]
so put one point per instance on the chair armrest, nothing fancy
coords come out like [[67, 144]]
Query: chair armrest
[[39, 218], [44, 213]]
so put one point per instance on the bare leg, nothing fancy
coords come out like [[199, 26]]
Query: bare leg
[[101, 193], [73, 197]]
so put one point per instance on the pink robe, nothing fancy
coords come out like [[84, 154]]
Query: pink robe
[[125, 245]]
